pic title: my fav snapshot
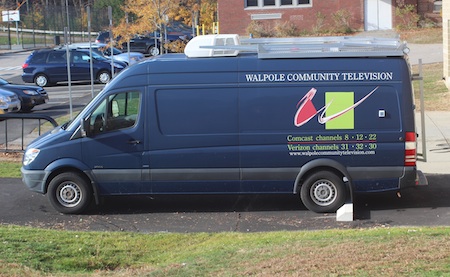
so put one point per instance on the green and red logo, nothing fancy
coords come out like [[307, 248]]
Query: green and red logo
[[338, 112]]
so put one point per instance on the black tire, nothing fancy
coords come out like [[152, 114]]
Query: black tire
[[26, 109], [153, 50], [104, 76], [41, 80], [70, 193], [323, 192]]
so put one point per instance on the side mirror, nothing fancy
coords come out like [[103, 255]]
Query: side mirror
[[85, 127]]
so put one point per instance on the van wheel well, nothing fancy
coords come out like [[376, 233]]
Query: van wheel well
[[315, 170], [64, 170]]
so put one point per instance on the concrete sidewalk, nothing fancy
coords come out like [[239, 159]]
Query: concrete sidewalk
[[428, 53], [437, 138]]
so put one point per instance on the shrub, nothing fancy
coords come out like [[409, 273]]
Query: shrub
[[259, 29], [341, 20], [319, 27], [408, 17], [285, 29]]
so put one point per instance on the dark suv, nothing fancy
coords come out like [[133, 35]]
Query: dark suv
[[149, 44], [146, 44], [49, 66]]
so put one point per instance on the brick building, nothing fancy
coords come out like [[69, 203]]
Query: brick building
[[236, 15]]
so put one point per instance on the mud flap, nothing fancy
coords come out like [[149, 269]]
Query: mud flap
[[421, 180]]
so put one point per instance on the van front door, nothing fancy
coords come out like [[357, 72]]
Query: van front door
[[113, 149]]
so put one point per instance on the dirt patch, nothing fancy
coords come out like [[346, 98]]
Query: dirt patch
[[422, 35], [11, 157]]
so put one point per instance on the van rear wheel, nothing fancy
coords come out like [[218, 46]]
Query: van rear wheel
[[70, 193], [323, 192], [104, 77], [41, 80]]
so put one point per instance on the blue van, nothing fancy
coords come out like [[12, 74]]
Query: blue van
[[320, 117], [46, 67]]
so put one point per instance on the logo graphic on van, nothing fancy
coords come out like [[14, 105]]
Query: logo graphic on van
[[336, 114]]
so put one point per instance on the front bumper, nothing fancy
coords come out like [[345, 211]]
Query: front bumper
[[35, 180]]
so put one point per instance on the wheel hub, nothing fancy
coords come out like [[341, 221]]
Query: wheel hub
[[69, 195], [323, 193]]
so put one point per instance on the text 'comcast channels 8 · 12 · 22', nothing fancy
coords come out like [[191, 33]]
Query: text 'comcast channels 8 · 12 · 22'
[[319, 117]]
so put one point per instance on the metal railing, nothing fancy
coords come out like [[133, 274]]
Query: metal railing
[[4, 118]]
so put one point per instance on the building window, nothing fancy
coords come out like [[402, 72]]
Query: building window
[[286, 2], [437, 6], [276, 3], [252, 3], [268, 3]]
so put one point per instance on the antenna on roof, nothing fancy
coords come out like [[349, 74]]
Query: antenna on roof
[[315, 47]]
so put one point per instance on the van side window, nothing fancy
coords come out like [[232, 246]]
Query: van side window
[[56, 57], [39, 57], [117, 111], [78, 57]]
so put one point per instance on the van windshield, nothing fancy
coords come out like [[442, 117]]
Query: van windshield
[[98, 57], [73, 123]]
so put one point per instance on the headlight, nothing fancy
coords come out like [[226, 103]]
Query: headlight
[[30, 155], [3, 102], [30, 92]]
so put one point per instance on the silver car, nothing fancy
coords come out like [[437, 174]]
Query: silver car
[[105, 50], [9, 101]]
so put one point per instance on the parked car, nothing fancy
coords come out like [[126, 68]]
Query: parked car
[[29, 96], [103, 37], [49, 66], [321, 122], [149, 43], [146, 44], [9, 101], [180, 29], [105, 50]]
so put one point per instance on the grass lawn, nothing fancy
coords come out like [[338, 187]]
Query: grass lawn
[[422, 36], [357, 252]]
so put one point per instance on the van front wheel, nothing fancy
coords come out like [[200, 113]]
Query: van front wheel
[[323, 192], [69, 193]]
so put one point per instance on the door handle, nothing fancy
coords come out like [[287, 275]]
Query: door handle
[[132, 141]]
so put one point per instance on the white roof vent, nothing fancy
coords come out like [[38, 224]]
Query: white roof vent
[[209, 46]]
